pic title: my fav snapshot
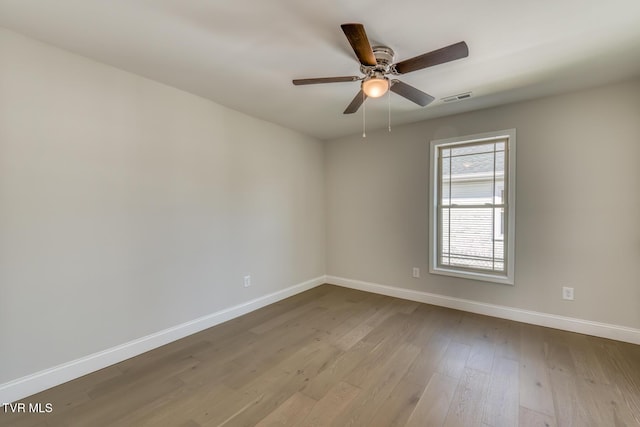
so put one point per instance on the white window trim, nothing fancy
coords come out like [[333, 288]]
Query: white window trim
[[507, 279]]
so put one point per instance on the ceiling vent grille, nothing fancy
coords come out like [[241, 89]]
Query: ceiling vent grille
[[458, 97]]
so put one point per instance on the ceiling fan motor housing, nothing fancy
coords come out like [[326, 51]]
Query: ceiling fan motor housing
[[384, 57]]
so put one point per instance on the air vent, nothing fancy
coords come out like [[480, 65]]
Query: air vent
[[457, 97]]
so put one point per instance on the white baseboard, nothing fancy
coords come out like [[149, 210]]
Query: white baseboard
[[587, 327], [39, 381]]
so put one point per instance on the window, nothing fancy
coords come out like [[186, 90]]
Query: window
[[472, 206]]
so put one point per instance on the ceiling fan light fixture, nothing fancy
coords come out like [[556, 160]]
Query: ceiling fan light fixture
[[375, 87]]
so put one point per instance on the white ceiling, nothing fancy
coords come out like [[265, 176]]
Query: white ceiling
[[244, 53]]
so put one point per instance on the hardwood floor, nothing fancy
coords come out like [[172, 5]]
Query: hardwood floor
[[339, 357]]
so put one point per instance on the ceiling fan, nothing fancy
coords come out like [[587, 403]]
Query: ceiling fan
[[376, 63]]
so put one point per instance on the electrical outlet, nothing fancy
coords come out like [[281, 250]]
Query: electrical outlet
[[567, 293], [416, 273], [247, 280]]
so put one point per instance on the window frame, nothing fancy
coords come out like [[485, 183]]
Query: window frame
[[508, 277]]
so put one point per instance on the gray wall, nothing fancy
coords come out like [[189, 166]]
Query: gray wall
[[578, 204], [127, 207]]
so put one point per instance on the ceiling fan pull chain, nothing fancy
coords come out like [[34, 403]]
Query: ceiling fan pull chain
[[364, 115], [389, 108]]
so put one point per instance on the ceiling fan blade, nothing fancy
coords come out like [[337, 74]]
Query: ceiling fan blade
[[411, 93], [314, 81], [440, 56], [355, 103], [360, 43]]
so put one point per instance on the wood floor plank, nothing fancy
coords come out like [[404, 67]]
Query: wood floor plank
[[571, 410], [535, 387], [502, 402], [429, 322], [355, 326], [481, 355], [181, 406], [558, 355], [508, 340], [276, 346], [172, 363], [433, 406], [401, 325], [278, 383], [376, 390], [108, 408], [335, 372], [395, 410], [406, 394], [623, 369], [284, 318], [530, 418], [24, 420], [350, 339], [336, 356], [607, 405], [290, 412], [408, 307], [66, 398], [389, 308], [327, 301], [585, 360], [475, 326], [380, 340], [333, 403], [455, 359], [468, 400], [430, 357], [231, 347], [582, 403]]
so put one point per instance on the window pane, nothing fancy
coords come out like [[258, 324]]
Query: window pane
[[462, 150], [499, 185], [498, 223], [477, 192], [468, 239], [445, 177], [444, 241], [472, 165], [499, 251], [471, 180]]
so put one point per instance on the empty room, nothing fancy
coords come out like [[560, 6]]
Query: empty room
[[349, 213]]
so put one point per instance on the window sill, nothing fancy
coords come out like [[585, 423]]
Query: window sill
[[493, 278]]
